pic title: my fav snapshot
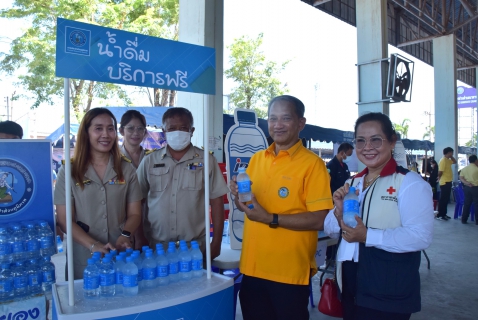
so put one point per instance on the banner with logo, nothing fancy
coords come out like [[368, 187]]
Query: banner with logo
[[466, 97], [26, 181], [91, 52]]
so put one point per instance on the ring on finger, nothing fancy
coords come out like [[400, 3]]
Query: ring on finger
[[344, 232]]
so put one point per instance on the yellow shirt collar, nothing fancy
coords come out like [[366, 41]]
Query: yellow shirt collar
[[291, 151]]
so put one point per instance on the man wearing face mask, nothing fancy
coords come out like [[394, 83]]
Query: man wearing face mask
[[338, 169], [172, 181]]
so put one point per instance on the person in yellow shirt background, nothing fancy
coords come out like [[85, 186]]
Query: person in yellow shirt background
[[290, 197], [445, 177], [469, 177]]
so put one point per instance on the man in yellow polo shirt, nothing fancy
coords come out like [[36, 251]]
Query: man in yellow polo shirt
[[291, 197], [445, 177], [469, 177]]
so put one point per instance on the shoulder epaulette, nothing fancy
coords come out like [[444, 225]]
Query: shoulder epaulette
[[150, 151], [63, 161], [210, 152], [125, 158]]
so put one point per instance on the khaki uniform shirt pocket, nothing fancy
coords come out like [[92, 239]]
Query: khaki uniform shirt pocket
[[158, 178], [192, 179]]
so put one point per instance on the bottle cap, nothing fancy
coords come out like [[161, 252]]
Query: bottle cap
[[129, 259], [91, 261], [351, 189], [241, 170]]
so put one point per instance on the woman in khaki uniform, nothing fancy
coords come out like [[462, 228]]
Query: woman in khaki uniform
[[133, 129], [106, 199]]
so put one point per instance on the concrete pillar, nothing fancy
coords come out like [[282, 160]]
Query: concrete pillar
[[446, 120], [372, 45], [201, 22]]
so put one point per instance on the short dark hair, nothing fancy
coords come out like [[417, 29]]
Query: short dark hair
[[345, 147], [472, 158], [447, 149], [381, 118], [178, 112], [299, 107], [11, 127], [130, 115]]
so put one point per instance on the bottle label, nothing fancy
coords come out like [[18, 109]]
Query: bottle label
[[173, 268], [162, 271], [34, 280], [149, 273], [49, 276], [20, 282], [119, 277], [196, 264], [90, 282], [6, 285], [46, 242], [33, 245], [130, 280], [107, 279], [351, 205], [185, 266], [5, 248], [244, 186], [18, 246]]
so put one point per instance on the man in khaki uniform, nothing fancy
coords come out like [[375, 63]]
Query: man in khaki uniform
[[469, 177], [172, 180]]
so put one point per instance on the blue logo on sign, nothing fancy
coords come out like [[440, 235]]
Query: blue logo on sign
[[77, 38], [77, 41], [16, 187], [283, 192]]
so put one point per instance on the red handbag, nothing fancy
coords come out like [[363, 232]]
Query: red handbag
[[329, 303]]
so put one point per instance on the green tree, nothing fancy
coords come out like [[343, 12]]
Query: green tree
[[402, 128], [472, 142], [34, 51], [255, 76], [430, 133]]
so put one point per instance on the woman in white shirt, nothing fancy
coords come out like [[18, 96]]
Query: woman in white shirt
[[378, 261]]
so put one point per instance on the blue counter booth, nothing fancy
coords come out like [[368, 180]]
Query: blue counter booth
[[200, 298]]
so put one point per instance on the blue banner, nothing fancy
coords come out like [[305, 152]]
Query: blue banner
[[26, 182], [466, 97], [90, 52]]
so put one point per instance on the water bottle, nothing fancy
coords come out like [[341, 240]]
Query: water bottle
[[149, 270], [20, 280], [181, 243], [244, 185], [47, 244], [32, 241], [107, 278], [162, 267], [196, 261], [6, 283], [173, 269], [19, 241], [139, 264], [159, 247], [119, 265], [91, 281], [184, 258], [225, 232], [34, 277], [5, 245], [59, 244], [351, 208], [130, 277], [48, 274], [143, 251], [129, 251]]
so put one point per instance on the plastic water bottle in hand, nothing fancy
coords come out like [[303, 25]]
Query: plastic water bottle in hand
[[351, 208], [244, 185]]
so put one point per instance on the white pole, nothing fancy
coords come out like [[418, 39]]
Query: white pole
[[206, 187], [69, 235]]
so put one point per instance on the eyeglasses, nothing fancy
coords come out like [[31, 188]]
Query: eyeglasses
[[375, 142], [132, 129]]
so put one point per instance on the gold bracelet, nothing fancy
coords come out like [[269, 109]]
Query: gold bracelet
[[93, 245]]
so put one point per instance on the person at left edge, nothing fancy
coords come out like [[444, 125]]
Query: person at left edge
[[290, 197], [10, 130], [172, 180], [105, 193], [338, 169]]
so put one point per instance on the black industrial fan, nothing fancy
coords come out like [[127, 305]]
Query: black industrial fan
[[400, 77]]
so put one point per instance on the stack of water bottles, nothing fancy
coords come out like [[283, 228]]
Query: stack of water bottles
[[25, 260], [130, 272]]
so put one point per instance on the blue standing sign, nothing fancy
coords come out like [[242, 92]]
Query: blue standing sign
[[91, 52]]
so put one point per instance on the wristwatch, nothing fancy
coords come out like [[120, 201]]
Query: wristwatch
[[126, 234], [275, 221]]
